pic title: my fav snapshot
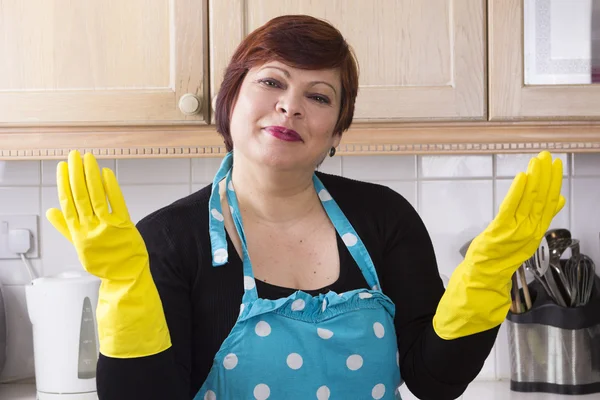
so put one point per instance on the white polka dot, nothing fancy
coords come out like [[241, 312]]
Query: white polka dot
[[294, 361], [324, 306], [349, 239], [365, 295], [324, 195], [242, 307], [354, 362], [231, 210], [249, 283], [397, 358], [217, 215], [230, 186], [210, 395], [379, 330], [298, 305], [375, 287], [230, 361], [263, 329], [261, 392], [378, 391], [220, 255], [324, 333], [323, 393]]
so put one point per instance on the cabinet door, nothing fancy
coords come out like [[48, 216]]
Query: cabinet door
[[418, 59], [544, 59], [103, 62]]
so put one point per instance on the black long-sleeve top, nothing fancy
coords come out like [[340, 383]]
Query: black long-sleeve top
[[202, 302]]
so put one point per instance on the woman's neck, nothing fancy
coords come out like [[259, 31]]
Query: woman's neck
[[271, 196]]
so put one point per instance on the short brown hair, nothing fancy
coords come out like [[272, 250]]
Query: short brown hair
[[300, 41]]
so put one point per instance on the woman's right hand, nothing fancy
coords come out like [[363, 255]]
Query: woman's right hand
[[131, 321], [107, 242]]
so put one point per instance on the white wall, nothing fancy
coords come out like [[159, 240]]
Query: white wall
[[455, 195]]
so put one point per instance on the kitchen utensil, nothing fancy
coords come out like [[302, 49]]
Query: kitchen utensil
[[557, 233], [542, 265], [538, 265], [580, 270], [588, 281], [571, 269], [516, 294], [521, 272], [463, 249], [557, 249]]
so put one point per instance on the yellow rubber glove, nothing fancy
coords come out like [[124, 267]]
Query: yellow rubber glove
[[131, 321], [478, 295]]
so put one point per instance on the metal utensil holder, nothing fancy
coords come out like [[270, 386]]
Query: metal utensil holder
[[555, 349]]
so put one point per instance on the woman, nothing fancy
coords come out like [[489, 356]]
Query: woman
[[280, 282]]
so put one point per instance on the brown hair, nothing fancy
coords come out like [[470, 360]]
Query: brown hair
[[300, 41]]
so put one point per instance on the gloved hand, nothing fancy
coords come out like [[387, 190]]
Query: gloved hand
[[131, 321], [478, 295]]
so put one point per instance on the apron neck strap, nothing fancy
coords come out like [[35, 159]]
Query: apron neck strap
[[218, 236]]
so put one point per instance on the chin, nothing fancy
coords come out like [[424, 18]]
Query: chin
[[282, 157]]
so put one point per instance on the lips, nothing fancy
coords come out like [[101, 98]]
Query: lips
[[282, 133]]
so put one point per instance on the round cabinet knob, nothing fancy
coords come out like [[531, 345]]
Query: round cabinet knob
[[190, 104]]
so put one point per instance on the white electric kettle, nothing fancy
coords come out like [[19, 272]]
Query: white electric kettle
[[62, 310]]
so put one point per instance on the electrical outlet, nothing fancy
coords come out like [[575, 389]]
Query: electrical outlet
[[8, 222]]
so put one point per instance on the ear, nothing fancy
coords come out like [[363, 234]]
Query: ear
[[337, 138]]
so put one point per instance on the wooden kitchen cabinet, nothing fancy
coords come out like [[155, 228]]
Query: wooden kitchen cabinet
[[136, 78], [110, 62], [544, 59], [419, 60]]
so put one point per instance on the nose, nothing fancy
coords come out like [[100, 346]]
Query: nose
[[291, 106]]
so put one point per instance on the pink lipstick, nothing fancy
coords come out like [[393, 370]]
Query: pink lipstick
[[280, 132]]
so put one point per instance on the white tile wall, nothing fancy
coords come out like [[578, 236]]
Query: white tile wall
[[455, 195]]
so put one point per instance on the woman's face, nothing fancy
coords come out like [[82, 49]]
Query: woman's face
[[284, 117]]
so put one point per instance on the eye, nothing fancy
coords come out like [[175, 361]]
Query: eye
[[270, 83], [320, 99]]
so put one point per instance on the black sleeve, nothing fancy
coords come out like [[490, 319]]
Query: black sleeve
[[433, 368], [165, 375]]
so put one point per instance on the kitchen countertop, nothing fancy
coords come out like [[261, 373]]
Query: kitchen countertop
[[488, 390]]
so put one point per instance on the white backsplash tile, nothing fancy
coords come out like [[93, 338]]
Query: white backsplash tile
[[198, 186], [452, 210], [508, 165], [380, 168], [204, 169], [142, 200], [19, 173], [586, 216], [58, 253], [407, 189], [451, 196], [19, 200], [586, 164], [49, 169], [14, 272], [455, 166], [151, 171]]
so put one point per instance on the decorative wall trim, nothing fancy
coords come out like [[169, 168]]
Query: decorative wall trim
[[362, 139]]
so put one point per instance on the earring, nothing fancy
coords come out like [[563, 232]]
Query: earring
[[332, 152]]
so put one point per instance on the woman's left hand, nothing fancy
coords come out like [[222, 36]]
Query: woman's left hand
[[478, 294], [523, 218]]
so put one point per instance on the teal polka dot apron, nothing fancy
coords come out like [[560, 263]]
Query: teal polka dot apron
[[331, 346]]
